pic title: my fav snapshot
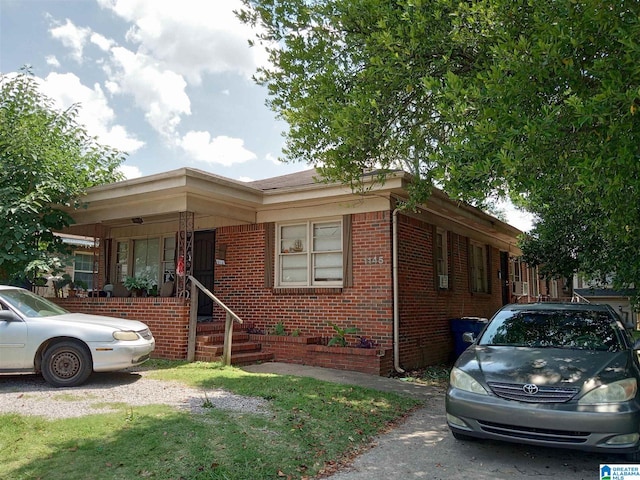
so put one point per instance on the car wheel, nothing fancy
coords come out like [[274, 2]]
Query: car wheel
[[461, 436], [66, 364]]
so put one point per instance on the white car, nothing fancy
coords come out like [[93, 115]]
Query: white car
[[38, 336]]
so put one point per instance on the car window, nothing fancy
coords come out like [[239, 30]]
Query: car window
[[29, 304], [585, 330]]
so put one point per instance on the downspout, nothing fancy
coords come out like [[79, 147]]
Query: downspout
[[396, 295]]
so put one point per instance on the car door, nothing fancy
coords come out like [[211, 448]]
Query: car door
[[13, 342]]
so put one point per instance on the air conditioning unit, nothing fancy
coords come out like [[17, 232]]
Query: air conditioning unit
[[443, 281], [520, 289]]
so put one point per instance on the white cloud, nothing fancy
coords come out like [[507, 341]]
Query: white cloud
[[95, 113], [245, 179], [191, 37], [160, 93], [273, 159], [52, 61], [102, 42], [221, 150], [130, 171], [72, 37], [516, 217]]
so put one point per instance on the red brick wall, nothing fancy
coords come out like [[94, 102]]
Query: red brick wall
[[425, 310], [167, 318], [367, 305], [301, 351]]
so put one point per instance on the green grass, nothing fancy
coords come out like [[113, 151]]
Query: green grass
[[311, 425]]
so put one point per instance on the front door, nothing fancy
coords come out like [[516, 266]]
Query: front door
[[203, 268], [504, 277]]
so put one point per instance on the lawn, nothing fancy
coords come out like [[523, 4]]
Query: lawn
[[312, 426]]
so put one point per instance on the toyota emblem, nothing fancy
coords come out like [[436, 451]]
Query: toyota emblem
[[530, 389]]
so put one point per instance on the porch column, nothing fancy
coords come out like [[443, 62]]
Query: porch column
[[185, 253]]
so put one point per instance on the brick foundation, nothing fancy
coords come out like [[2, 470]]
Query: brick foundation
[[306, 351], [167, 318]]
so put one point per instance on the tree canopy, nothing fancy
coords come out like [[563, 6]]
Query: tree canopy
[[535, 100], [47, 162]]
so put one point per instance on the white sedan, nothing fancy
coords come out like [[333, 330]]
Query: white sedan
[[38, 336]]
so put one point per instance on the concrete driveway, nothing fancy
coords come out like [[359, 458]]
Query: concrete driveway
[[423, 448]]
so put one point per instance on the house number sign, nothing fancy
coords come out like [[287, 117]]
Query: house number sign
[[373, 260]]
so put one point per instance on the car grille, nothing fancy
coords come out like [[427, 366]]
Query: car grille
[[540, 434], [544, 394], [146, 334]]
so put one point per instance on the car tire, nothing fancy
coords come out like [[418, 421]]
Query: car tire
[[461, 436], [66, 364]]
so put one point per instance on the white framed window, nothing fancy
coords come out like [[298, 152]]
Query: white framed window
[[122, 260], [84, 268], [152, 258], [478, 268], [442, 267], [146, 258], [519, 276], [310, 254], [168, 259]]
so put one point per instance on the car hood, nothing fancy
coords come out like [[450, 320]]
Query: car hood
[[112, 322], [543, 366]]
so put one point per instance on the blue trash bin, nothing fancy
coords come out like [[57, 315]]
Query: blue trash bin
[[462, 325]]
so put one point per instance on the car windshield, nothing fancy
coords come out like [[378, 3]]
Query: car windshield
[[585, 330], [29, 304]]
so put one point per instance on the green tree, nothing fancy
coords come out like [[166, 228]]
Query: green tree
[[535, 100], [47, 162]]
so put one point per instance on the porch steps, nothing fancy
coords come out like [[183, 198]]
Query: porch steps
[[210, 345]]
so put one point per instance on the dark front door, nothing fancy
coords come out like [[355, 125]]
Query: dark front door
[[203, 267], [504, 277]]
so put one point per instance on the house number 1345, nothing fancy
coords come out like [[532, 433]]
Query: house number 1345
[[373, 260]]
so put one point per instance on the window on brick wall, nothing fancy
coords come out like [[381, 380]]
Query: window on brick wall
[[84, 268], [310, 254], [478, 268], [441, 260]]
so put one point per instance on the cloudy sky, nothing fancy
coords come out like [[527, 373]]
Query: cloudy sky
[[167, 81]]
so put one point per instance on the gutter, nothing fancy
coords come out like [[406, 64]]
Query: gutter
[[396, 295]]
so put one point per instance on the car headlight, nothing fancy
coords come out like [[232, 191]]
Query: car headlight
[[126, 335], [620, 391], [466, 382]]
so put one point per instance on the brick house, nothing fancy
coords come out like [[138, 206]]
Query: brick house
[[292, 254]]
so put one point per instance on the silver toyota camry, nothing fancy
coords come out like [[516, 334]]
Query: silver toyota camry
[[554, 375], [38, 336]]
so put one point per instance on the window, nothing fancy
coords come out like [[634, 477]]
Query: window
[[310, 254], [146, 258], [478, 268], [442, 268], [153, 258], [84, 268], [122, 261], [519, 277], [168, 259]]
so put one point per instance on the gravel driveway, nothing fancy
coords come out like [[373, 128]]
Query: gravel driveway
[[31, 395]]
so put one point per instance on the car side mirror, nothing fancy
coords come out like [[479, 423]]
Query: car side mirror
[[467, 337], [8, 316]]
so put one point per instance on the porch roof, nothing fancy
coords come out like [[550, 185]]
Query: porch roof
[[161, 197]]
